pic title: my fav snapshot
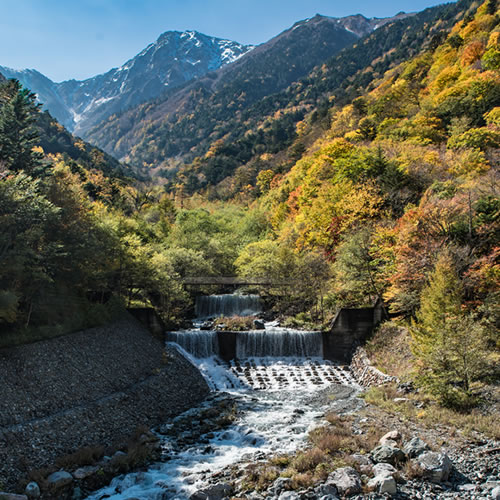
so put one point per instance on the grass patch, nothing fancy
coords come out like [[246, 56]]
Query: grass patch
[[235, 323], [389, 350], [420, 408]]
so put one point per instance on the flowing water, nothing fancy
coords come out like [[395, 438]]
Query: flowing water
[[213, 306], [275, 383]]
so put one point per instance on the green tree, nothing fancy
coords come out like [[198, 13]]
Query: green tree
[[356, 270], [450, 345], [18, 134]]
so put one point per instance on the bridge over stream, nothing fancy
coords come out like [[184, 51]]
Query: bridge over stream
[[236, 281]]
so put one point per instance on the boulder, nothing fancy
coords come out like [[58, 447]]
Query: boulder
[[383, 480], [391, 438], [436, 466], [383, 469], [281, 484], [327, 489], [12, 496], [346, 480], [258, 324], [59, 479], [384, 484], [387, 454], [362, 459], [288, 495], [214, 492], [415, 447], [32, 490], [364, 462], [85, 472]]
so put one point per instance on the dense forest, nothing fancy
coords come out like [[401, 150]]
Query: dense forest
[[388, 189]]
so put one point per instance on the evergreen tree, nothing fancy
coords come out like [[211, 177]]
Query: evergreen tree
[[18, 134], [449, 344]]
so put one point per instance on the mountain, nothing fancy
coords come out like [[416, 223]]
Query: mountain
[[169, 62], [362, 26], [221, 96], [247, 112]]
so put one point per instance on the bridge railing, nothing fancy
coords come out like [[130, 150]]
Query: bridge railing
[[234, 280]]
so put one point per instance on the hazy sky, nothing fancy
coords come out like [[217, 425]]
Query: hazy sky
[[66, 39]]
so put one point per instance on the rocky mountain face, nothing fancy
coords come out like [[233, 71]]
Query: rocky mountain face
[[362, 26], [200, 108], [172, 60]]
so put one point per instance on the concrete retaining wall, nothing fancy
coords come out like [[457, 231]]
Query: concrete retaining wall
[[349, 329]]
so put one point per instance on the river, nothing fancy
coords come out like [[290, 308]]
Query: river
[[273, 386]]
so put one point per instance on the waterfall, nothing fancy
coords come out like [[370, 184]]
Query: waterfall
[[212, 306], [278, 342], [201, 344]]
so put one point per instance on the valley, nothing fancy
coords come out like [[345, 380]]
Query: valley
[[309, 226]]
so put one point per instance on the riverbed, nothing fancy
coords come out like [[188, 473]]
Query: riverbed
[[274, 401]]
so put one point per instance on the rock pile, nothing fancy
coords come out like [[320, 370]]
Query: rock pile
[[365, 373], [397, 467]]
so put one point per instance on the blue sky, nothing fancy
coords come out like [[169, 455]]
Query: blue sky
[[66, 39]]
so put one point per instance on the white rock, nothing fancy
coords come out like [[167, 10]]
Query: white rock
[[495, 493], [436, 466], [392, 436], [84, 472], [288, 495], [388, 485], [415, 447], [32, 490], [384, 484], [346, 480], [383, 469], [59, 479]]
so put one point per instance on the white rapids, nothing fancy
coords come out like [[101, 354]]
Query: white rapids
[[275, 397]]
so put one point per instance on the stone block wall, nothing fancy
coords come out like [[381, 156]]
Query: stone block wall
[[365, 373]]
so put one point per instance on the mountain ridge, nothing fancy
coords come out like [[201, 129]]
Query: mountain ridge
[[174, 58], [221, 131], [179, 57]]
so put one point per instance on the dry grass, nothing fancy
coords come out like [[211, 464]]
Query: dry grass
[[412, 470], [84, 456], [260, 476], [432, 414], [389, 350], [308, 460], [331, 446], [302, 480]]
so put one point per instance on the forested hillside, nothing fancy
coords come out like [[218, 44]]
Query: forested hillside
[[248, 110], [400, 197], [184, 122], [385, 186], [271, 134], [80, 240], [55, 250]]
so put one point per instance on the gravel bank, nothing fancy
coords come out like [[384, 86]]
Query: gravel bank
[[92, 387]]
